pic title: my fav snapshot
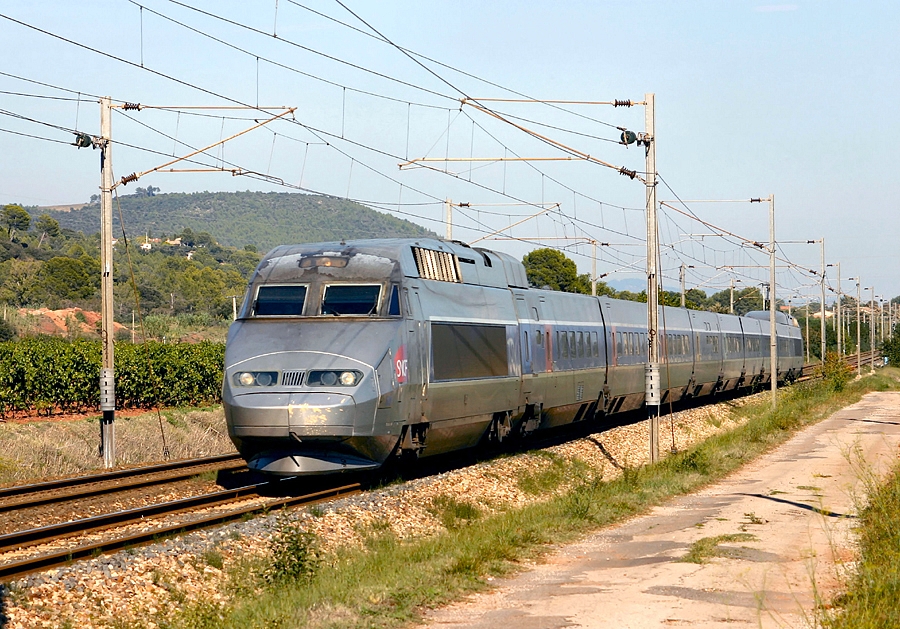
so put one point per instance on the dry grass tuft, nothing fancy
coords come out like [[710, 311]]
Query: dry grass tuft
[[45, 449]]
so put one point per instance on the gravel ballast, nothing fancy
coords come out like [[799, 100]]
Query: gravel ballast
[[144, 586]]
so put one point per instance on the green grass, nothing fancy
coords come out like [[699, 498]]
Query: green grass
[[703, 549], [389, 582], [871, 601]]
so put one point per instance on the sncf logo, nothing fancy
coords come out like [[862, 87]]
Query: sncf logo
[[401, 369]]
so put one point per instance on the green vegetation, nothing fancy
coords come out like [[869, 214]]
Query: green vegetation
[[389, 582], [191, 254], [57, 268], [454, 513], [871, 601], [45, 374], [261, 219], [703, 549], [295, 556]]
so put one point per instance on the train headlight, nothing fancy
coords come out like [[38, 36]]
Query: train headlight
[[245, 379], [255, 378], [349, 378], [328, 378]]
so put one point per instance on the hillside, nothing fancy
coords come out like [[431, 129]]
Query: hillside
[[263, 219]]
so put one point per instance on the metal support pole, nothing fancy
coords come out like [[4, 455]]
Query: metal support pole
[[872, 328], [652, 394], [448, 215], [731, 299], [594, 268], [681, 278], [838, 326], [822, 285], [807, 329], [858, 333], [881, 318], [107, 373], [773, 339]]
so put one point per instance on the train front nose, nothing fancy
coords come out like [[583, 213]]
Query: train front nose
[[313, 431]]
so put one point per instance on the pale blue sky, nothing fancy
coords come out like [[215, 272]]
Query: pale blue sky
[[796, 99]]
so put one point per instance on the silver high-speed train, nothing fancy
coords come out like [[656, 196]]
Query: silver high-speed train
[[345, 354]]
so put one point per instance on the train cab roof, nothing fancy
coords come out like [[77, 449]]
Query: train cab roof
[[426, 258]]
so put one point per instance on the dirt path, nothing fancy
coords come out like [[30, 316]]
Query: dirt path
[[798, 502]]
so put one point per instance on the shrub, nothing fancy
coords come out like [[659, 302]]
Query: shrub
[[7, 331], [835, 371], [51, 373], [295, 553]]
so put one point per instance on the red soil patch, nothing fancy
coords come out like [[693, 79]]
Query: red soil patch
[[66, 322]]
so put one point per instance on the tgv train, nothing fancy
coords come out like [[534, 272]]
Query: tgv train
[[345, 354]]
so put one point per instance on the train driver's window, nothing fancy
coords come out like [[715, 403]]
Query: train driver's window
[[279, 301], [394, 307], [351, 299]]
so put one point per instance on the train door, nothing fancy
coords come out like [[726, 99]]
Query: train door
[[412, 367], [526, 335]]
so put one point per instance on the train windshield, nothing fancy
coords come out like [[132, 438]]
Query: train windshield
[[349, 299], [275, 301]]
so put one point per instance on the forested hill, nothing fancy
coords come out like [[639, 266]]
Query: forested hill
[[263, 219]]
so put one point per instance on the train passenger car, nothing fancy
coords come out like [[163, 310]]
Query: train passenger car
[[345, 354]]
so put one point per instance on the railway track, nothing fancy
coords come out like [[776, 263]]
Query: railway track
[[811, 370], [19, 568], [105, 483]]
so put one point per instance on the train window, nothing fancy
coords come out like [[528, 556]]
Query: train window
[[350, 299], [461, 351], [539, 338], [595, 343], [562, 341], [527, 348], [394, 307], [572, 344], [581, 345], [275, 301], [534, 312], [617, 338]]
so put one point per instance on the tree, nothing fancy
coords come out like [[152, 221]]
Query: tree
[[19, 279], [15, 218], [69, 278], [551, 268], [47, 225]]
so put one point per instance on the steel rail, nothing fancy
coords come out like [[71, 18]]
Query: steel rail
[[23, 567], [106, 490], [62, 483], [43, 534]]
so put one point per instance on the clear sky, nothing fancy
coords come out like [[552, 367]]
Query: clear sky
[[796, 100]]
